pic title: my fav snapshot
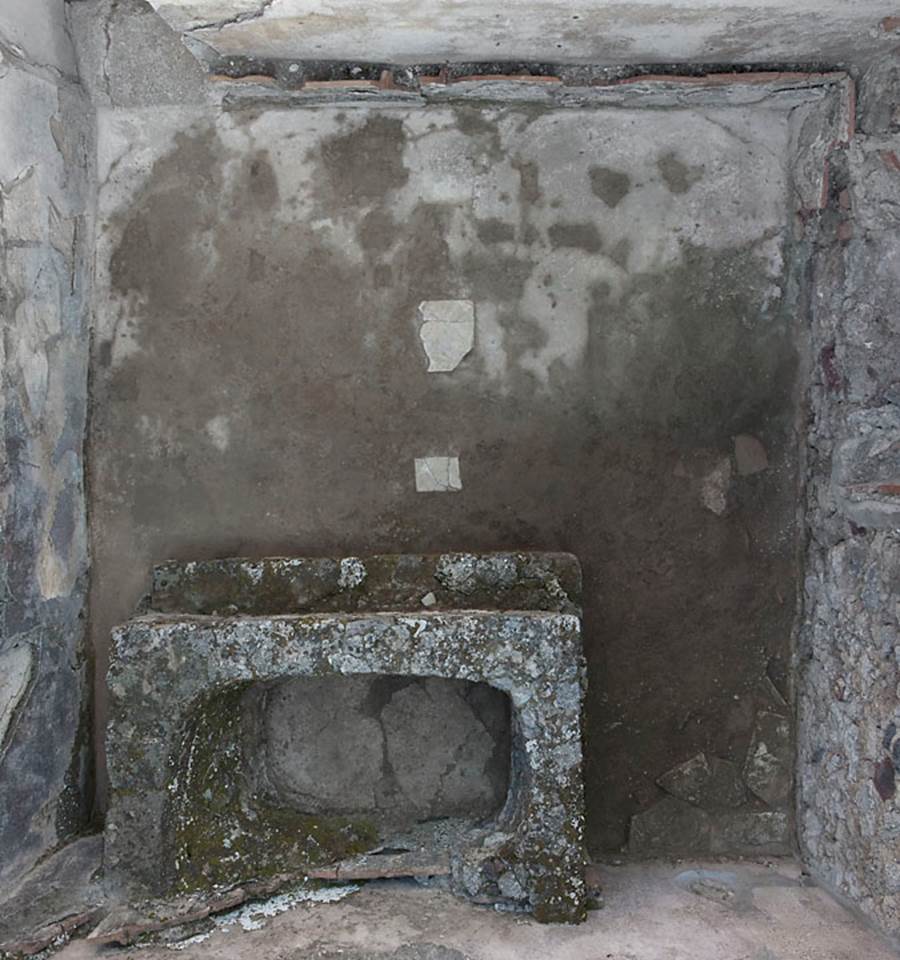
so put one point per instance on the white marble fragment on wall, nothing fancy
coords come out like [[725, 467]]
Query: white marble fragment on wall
[[447, 332]]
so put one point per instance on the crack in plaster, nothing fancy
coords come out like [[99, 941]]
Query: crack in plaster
[[14, 54], [7, 188], [107, 32], [237, 18]]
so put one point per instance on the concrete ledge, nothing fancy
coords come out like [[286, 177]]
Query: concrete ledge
[[402, 582]]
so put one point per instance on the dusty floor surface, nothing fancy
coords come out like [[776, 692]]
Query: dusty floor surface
[[658, 911]]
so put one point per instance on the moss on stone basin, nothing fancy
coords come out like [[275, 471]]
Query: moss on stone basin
[[219, 831], [188, 812]]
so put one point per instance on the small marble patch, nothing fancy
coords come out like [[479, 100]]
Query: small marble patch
[[714, 490], [437, 475]]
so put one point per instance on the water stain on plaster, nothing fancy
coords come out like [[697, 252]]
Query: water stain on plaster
[[476, 123], [494, 230], [581, 236], [365, 162], [158, 255], [499, 279], [261, 181], [529, 181], [611, 186], [734, 365], [677, 175], [256, 266]]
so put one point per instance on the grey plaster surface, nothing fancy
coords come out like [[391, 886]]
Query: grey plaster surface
[[261, 387], [627, 31]]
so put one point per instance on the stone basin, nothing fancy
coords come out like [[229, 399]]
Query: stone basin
[[180, 815]]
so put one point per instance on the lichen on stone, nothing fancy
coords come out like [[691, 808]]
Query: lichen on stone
[[218, 832], [184, 814]]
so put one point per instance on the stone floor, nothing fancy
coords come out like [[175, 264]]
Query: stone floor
[[656, 911]]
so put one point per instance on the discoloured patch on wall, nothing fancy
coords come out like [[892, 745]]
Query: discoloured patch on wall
[[364, 162], [584, 236], [678, 176], [610, 185], [608, 377]]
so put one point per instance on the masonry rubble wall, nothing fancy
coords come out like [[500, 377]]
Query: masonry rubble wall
[[848, 682]]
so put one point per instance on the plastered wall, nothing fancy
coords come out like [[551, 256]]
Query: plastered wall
[[261, 385]]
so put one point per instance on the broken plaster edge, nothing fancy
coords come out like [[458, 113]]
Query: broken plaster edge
[[713, 91]]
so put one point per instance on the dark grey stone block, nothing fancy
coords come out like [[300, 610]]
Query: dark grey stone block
[[670, 827], [172, 681], [751, 831]]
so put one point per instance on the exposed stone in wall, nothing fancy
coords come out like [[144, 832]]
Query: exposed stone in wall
[[866, 468], [848, 691], [46, 150], [716, 807], [705, 782], [674, 828]]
